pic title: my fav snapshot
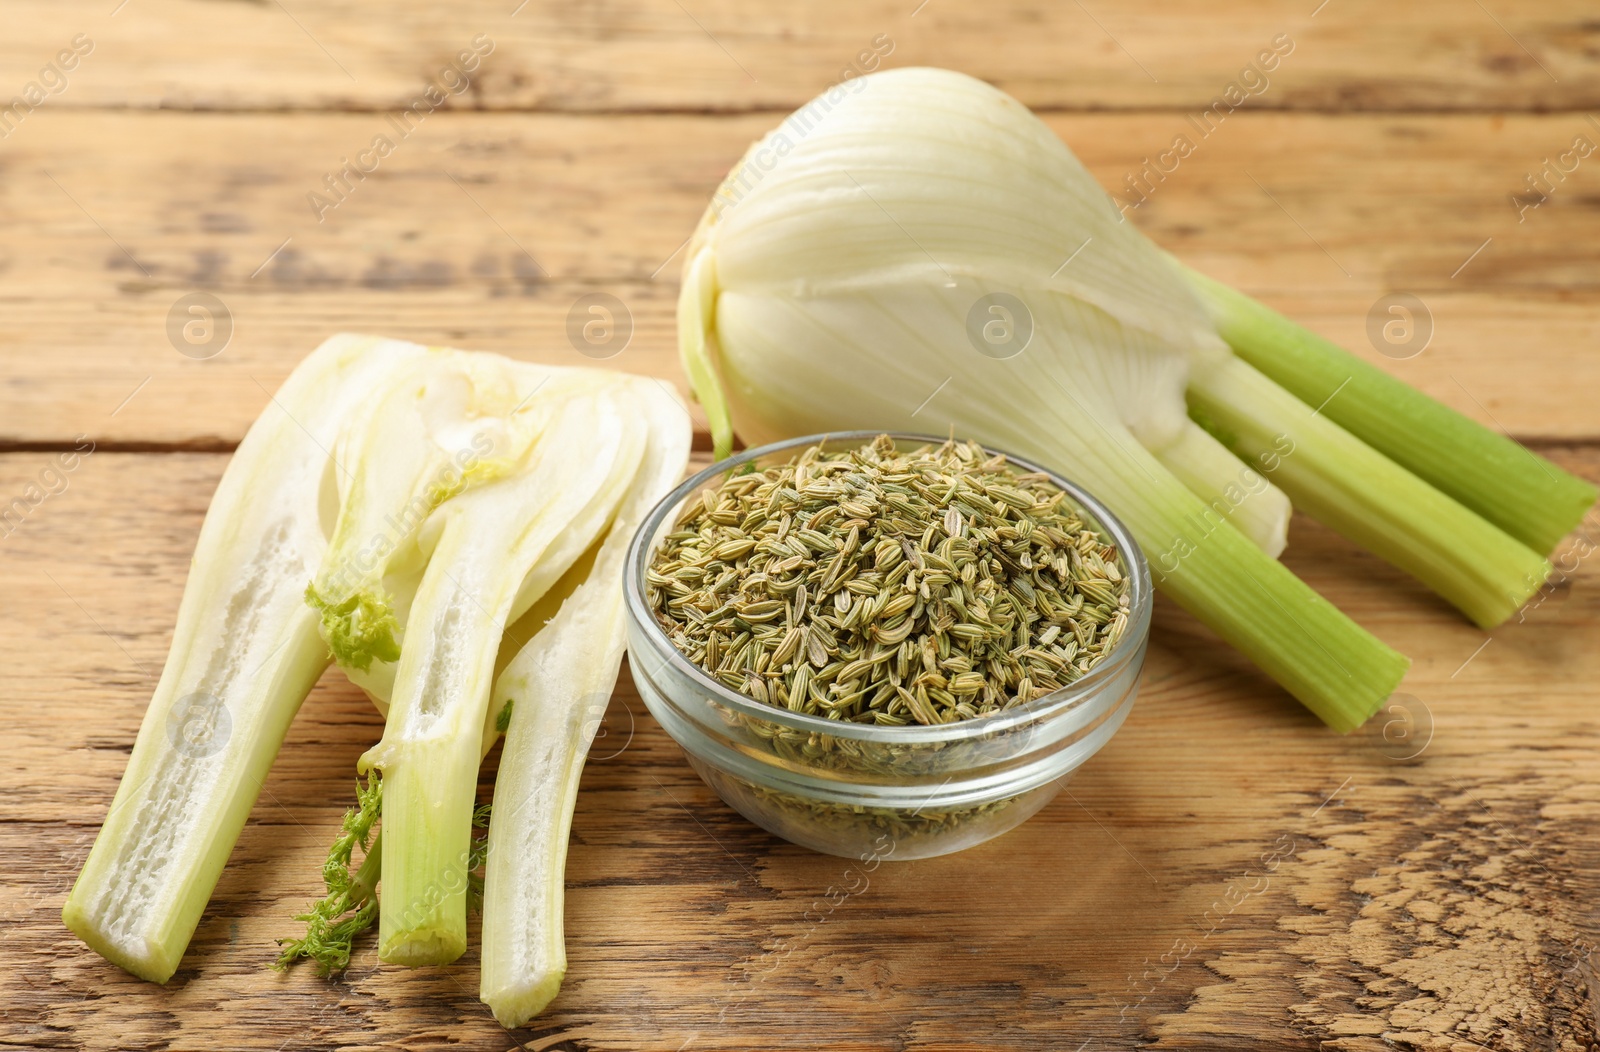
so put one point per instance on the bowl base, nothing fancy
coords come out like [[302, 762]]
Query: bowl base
[[874, 833]]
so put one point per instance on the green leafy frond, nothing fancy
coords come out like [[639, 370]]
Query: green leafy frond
[[358, 629], [351, 905]]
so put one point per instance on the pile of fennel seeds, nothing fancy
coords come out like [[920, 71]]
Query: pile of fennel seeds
[[877, 585]]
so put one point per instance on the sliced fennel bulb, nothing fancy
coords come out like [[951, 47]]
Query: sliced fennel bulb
[[444, 426], [554, 454], [558, 687], [244, 655], [841, 291], [490, 540], [400, 506], [555, 654]]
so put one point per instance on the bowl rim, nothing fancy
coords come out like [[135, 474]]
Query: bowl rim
[[1056, 703]]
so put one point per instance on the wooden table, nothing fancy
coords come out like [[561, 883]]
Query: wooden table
[[1226, 874]]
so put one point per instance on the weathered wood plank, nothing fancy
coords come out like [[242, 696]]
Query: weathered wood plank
[[483, 230], [1441, 899], [727, 56]]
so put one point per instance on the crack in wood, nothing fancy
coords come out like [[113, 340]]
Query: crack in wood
[[1431, 926]]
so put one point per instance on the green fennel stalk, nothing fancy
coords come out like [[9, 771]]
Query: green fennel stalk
[[1341, 481], [1516, 489]]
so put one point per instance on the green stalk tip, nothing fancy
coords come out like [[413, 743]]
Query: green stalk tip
[[1519, 491], [1339, 480]]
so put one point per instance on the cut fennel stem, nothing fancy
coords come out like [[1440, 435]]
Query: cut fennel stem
[[490, 539], [560, 685], [245, 652], [455, 421], [1516, 489], [1341, 481]]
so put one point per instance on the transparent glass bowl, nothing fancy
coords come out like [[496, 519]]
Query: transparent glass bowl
[[866, 790]]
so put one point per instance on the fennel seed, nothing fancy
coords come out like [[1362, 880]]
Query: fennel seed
[[878, 585]]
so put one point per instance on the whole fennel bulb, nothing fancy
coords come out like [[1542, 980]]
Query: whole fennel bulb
[[853, 271]]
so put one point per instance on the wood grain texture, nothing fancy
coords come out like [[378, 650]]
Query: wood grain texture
[[482, 230], [1225, 873], [728, 56]]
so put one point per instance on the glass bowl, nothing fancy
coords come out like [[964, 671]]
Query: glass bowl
[[869, 791]]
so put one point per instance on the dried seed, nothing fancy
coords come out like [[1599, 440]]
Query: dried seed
[[958, 587], [729, 550], [790, 645], [816, 649]]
